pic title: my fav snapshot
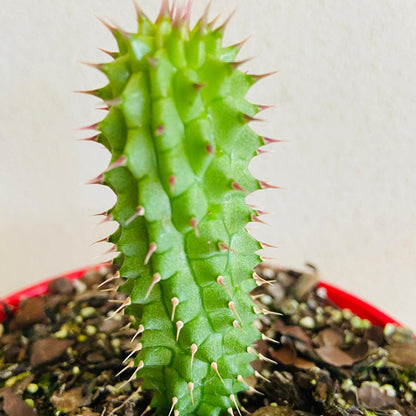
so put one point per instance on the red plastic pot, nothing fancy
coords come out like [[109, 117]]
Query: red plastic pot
[[341, 298]]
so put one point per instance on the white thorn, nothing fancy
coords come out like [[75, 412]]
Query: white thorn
[[230, 411], [146, 410], [179, 326], [214, 366], [257, 374], [156, 279], [176, 412], [175, 303], [191, 390], [136, 349], [231, 305], [174, 401], [125, 302], [110, 279], [241, 380], [237, 325], [130, 364], [220, 281], [260, 281], [140, 329], [261, 356], [194, 349], [139, 213], [233, 399], [265, 311], [139, 367], [266, 338], [152, 249]]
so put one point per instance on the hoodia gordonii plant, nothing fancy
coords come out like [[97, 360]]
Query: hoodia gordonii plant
[[178, 132]]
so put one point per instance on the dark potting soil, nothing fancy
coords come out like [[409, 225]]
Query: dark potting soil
[[62, 354]]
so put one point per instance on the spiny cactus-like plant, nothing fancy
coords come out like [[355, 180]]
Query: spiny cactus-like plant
[[178, 132]]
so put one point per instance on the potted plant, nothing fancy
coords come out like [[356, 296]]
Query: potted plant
[[178, 131]]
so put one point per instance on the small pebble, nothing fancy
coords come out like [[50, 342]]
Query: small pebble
[[90, 330], [32, 388], [307, 322], [88, 311]]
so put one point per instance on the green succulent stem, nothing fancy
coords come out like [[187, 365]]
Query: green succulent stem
[[178, 132]]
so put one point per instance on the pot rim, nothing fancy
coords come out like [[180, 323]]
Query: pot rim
[[338, 296]]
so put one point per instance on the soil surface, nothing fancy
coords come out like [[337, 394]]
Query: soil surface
[[70, 353]]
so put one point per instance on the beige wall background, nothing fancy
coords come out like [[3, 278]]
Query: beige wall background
[[345, 100]]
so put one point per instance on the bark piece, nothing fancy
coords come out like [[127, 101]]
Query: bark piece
[[334, 356], [48, 349], [68, 401], [14, 406]]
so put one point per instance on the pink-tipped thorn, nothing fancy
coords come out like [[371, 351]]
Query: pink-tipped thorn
[[107, 218], [152, 249], [261, 356], [172, 182], [139, 12], [210, 149], [140, 329], [102, 240], [267, 245], [269, 140], [159, 130], [124, 303], [198, 86], [263, 107], [204, 16], [267, 258], [238, 187], [93, 65], [238, 45], [260, 212], [258, 77], [266, 185], [164, 10], [156, 279], [175, 303], [98, 180], [109, 53], [254, 218], [194, 224], [152, 61], [121, 161], [224, 25], [89, 139], [261, 151], [90, 127], [237, 64], [139, 213], [223, 247], [249, 119], [194, 349], [111, 28], [88, 92]]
